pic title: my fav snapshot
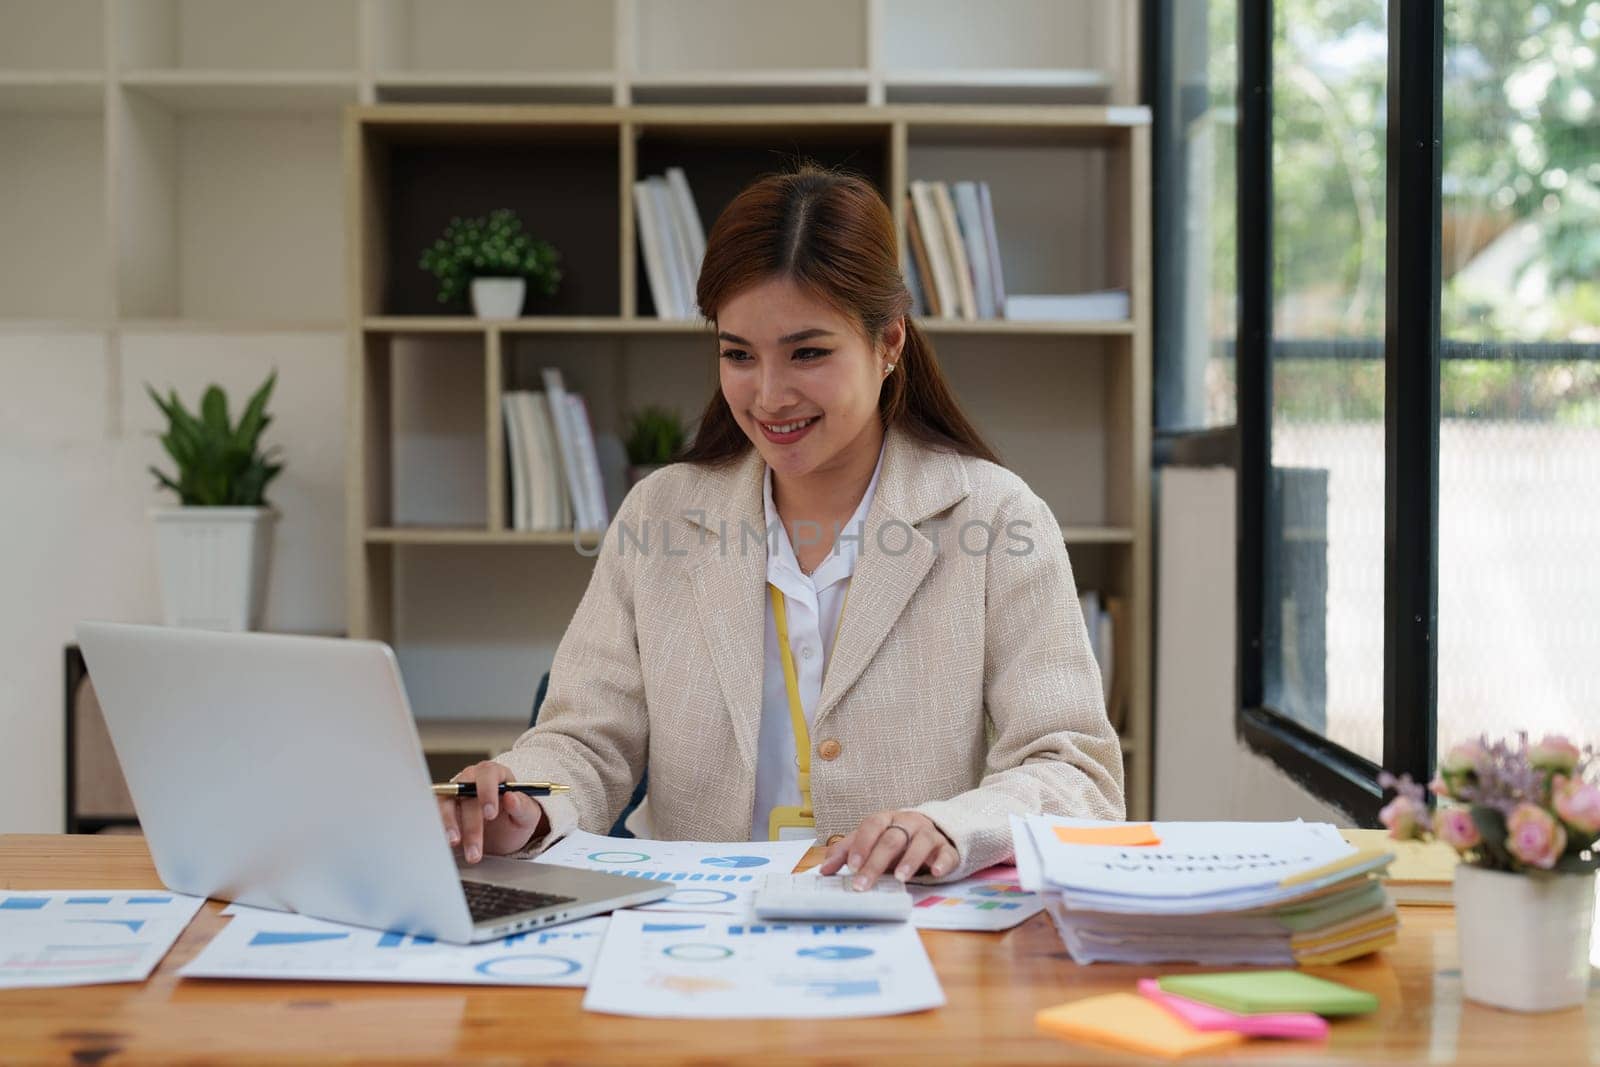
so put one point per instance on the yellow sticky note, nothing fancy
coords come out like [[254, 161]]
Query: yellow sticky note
[[1128, 1021], [1124, 834]]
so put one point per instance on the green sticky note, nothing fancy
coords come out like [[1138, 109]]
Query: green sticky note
[[1255, 992]]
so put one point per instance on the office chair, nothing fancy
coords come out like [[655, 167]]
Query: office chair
[[618, 829]]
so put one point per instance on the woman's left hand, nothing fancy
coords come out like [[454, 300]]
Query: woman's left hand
[[903, 841]]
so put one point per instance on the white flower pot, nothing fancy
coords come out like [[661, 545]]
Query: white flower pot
[[214, 564], [1524, 939], [498, 298]]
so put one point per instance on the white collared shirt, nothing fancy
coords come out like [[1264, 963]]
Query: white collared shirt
[[812, 604]]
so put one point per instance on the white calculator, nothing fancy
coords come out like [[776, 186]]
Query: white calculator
[[830, 897]]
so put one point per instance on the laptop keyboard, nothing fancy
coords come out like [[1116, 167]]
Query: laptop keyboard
[[487, 902]]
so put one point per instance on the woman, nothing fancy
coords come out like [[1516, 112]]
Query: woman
[[933, 675]]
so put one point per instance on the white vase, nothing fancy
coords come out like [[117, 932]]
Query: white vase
[[214, 564], [1524, 939], [498, 298]]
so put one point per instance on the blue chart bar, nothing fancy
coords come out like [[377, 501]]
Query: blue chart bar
[[149, 900], [391, 939], [23, 903], [88, 900], [687, 876]]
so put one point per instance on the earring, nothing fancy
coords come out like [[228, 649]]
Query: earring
[[887, 367]]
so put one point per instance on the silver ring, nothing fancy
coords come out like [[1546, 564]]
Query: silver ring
[[902, 829]]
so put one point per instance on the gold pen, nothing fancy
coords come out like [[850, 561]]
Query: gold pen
[[527, 789]]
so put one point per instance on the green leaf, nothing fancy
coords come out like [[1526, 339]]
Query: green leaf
[[214, 411], [255, 418]]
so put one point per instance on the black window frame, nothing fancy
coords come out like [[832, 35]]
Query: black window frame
[[1411, 353]]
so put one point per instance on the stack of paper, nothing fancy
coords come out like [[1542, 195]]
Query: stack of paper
[[1209, 893]]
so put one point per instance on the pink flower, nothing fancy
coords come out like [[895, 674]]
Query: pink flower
[[1578, 804], [1534, 836], [1555, 754], [1440, 788], [1456, 829], [1404, 817]]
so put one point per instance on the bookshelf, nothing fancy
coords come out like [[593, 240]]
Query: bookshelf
[[208, 184]]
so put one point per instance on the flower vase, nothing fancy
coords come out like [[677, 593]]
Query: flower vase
[[1524, 938]]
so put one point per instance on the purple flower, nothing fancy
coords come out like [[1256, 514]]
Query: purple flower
[[1555, 754], [1456, 829], [1578, 804], [1534, 836]]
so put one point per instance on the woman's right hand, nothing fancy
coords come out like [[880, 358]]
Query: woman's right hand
[[490, 822]]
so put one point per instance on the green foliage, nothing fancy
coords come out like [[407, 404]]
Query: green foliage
[[655, 436], [494, 246], [219, 464]]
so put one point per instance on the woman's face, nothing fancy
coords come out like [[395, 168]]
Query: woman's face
[[801, 379]]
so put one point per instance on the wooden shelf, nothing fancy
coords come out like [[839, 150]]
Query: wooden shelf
[[457, 324], [477, 87], [202, 91], [997, 86], [446, 535], [452, 535], [64, 92]]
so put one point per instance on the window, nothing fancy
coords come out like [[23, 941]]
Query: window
[[1337, 389], [1519, 434]]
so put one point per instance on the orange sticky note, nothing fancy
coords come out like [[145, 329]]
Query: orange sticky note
[[1124, 834], [1127, 1021]]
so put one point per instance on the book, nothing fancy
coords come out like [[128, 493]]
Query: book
[[517, 465], [588, 466], [969, 214], [675, 254], [654, 256], [688, 216], [933, 239], [1423, 872], [567, 445], [919, 258], [1106, 304], [992, 239], [954, 247], [550, 496], [908, 271]]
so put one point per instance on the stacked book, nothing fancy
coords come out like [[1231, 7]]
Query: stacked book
[[953, 265], [672, 239], [556, 483], [1212, 893]]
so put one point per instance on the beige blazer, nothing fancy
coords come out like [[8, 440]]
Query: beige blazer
[[961, 682]]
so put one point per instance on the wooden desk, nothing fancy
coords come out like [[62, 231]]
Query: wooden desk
[[994, 983]]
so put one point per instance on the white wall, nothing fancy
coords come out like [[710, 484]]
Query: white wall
[[75, 441], [1202, 771]]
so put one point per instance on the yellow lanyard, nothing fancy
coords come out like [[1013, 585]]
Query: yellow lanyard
[[802, 816]]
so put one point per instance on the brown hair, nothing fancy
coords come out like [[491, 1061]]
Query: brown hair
[[832, 234]]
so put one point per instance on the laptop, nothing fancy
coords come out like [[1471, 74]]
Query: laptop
[[285, 772]]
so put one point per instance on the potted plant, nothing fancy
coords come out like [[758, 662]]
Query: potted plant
[[214, 548], [1525, 821], [655, 437], [495, 258]]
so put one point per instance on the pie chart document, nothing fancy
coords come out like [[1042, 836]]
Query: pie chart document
[[713, 967], [712, 877]]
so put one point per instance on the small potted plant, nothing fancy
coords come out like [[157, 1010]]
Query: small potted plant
[[214, 548], [494, 258], [655, 437], [1525, 821]]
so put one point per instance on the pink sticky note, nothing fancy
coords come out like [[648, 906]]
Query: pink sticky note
[[1292, 1024]]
